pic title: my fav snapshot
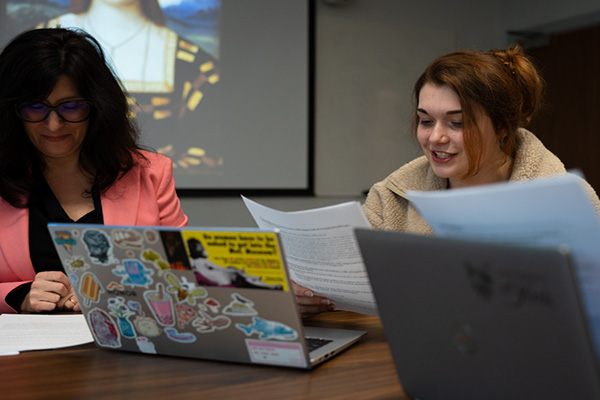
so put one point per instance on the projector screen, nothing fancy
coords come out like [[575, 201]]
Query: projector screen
[[222, 87]]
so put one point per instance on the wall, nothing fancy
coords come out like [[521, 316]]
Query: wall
[[368, 54]]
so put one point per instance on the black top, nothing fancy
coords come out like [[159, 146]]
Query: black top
[[45, 208]]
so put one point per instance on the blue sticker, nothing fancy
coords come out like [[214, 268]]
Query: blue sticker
[[268, 329], [134, 273], [179, 337]]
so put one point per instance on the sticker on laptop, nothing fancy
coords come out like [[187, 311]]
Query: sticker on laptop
[[161, 305], [99, 247], [213, 305], [236, 259], [90, 289], [206, 324], [127, 238], [146, 326], [240, 306], [185, 314], [66, 240], [276, 353], [134, 273], [178, 337], [145, 345], [121, 312], [268, 329], [185, 291], [156, 260], [104, 328]]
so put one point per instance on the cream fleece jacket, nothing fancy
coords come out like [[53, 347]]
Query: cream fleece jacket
[[387, 206]]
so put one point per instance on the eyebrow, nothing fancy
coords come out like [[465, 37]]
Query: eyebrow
[[451, 112]]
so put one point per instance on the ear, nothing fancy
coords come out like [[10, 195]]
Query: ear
[[501, 133]]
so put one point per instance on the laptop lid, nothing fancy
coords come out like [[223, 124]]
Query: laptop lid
[[473, 320], [210, 293]]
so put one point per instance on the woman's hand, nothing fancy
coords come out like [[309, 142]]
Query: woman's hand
[[308, 304], [50, 290]]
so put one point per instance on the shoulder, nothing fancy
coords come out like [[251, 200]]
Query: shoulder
[[387, 205], [148, 166], [533, 159], [149, 159], [414, 175]]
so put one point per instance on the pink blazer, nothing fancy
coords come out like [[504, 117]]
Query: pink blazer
[[144, 196]]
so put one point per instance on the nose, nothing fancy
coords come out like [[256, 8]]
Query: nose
[[438, 134], [53, 122]]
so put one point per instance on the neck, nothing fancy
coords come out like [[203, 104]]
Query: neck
[[112, 23], [494, 174]]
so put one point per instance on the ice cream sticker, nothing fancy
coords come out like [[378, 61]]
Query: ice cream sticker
[[90, 289]]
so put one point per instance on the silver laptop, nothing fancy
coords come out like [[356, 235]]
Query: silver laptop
[[473, 320], [206, 293]]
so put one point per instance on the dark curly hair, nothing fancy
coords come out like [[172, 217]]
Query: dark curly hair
[[30, 66]]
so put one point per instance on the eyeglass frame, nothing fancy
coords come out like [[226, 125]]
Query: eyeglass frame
[[56, 110]]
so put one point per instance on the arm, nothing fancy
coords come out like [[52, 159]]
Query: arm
[[309, 304], [50, 291], [170, 212]]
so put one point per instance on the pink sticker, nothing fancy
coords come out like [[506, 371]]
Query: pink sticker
[[276, 353]]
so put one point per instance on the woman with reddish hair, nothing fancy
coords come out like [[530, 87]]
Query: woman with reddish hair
[[471, 111]]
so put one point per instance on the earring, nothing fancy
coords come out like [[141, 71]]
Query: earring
[[502, 140]]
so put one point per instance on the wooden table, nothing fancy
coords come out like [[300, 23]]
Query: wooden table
[[364, 371]]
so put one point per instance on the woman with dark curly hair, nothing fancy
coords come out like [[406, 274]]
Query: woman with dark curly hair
[[68, 152]]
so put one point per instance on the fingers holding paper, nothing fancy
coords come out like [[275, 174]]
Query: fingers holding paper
[[50, 290], [310, 304]]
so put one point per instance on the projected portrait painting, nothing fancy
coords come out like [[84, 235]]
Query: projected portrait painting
[[166, 54]]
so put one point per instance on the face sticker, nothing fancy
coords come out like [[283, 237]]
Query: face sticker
[[90, 289], [127, 238], [146, 326], [185, 314], [104, 329], [145, 345], [240, 306], [65, 239], [186, 291], [206, 324], [156, 260], [180, 337], [119, 310], [161, 305], [268, 329], [134, 273], [213, 305], [99, 247]]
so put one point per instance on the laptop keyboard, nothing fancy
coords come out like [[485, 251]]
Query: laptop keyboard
[[315, 343]]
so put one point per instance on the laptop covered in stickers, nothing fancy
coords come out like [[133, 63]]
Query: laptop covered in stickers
[[207, 293]]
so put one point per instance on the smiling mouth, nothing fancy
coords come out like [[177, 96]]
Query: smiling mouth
[[442, 156], [55, 138]]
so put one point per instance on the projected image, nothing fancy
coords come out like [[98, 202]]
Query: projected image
[[166, 53]]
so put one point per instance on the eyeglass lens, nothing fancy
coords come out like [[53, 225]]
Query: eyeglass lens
[[70, 111]]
